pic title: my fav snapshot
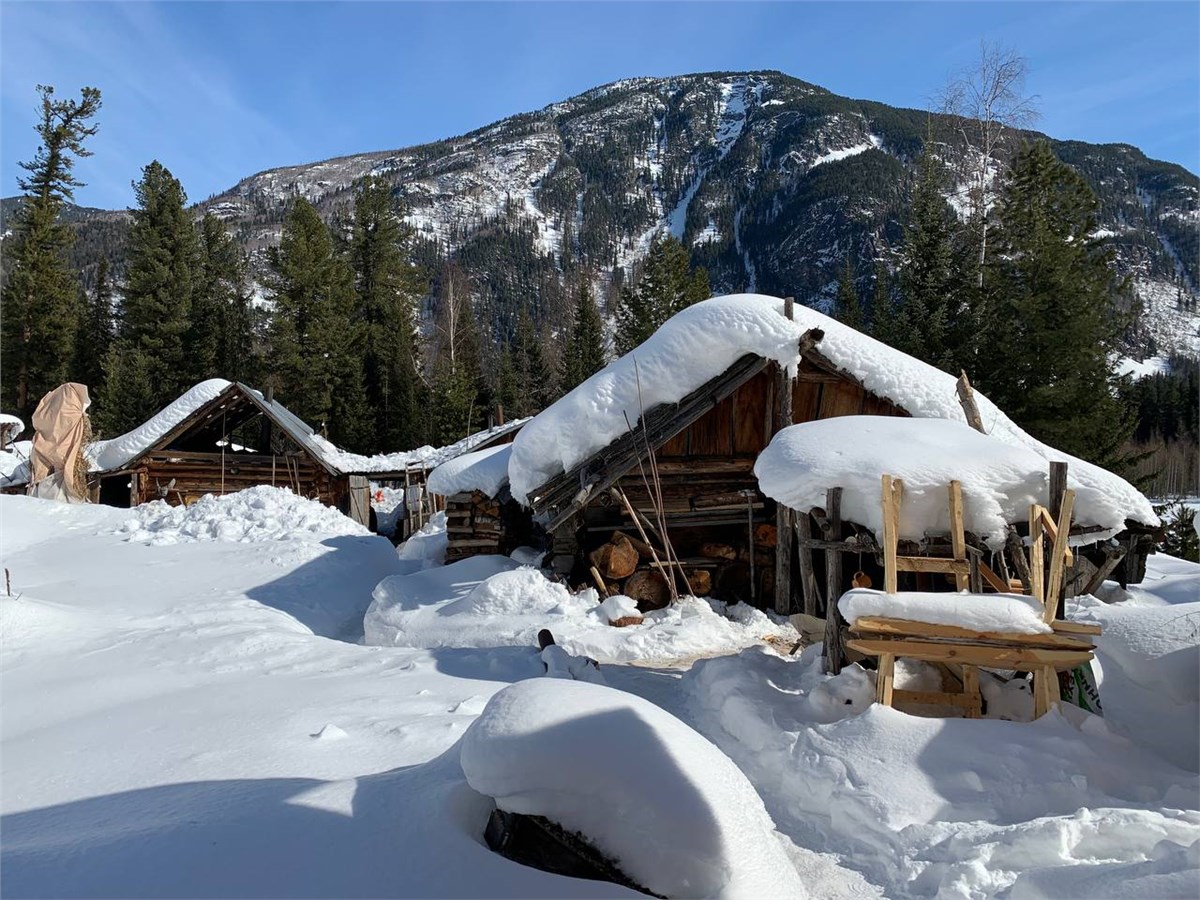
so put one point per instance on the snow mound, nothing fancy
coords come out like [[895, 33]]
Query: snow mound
[[489, 601], [260, 513], [941, 807], [1008, 613], [482, 470], [703, 340], [666, 805], [14, 463], [427, 546], [692, 347], [999, 479], [114, 453]]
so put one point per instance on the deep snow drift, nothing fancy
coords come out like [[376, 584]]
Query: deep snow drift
[[182, 719]]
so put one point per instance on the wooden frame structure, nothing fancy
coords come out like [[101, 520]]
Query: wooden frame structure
[[962, 652]]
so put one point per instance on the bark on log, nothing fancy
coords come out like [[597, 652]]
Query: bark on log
[[701, 581], [617, 559], [766, 535], [718, 551], [649, 589], [644, 550]]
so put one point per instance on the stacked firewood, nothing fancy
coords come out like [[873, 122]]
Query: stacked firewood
[[472, 525], [629, 566]]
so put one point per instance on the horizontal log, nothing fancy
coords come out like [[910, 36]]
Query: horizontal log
[[940, 698], [887, 625], [477, 542], [1020, 658], [932, 564], [1074, 627]]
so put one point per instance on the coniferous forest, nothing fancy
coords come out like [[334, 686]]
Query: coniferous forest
[[382, 342]]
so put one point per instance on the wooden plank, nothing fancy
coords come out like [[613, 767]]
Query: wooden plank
[[748, 414], [806, 401], [1016, 553], [1022, 658], [1037, 575], [934, 698], [1058, 556], [966, 399], [993, 579], [971, 692], [808, 580], [1060, 625], [890, 521], [885, 679], [1111, 561], [834, 652], [941, 564], [842, 398], [958, 539], [909, 628]]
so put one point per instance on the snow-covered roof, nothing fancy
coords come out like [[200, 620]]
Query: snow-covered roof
[[999, 479], [704, 340], [113, 454], [11, 422], [481, 470]]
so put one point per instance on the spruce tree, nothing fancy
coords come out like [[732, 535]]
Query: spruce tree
[[1055, 322], [666, 286], [41, 295], [535, 379], [95, 331], [848, 306], [156, 307], [314, 335], [389, 289], [584, 354], [928, 283]]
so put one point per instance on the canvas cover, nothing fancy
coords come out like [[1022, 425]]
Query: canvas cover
[[61, 430]]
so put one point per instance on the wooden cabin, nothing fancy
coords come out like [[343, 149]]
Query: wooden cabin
[[236, 440]]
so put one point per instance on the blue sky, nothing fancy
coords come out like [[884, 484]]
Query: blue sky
[[218, 91]]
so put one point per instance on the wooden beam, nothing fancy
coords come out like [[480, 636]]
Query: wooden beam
[[834, 652], [891, 515], [1111, 561], [1058, 556], [956, 567], [1016, 552], [908, 628], [992, 579], [885, 679], [971, 692], [1065, 627], [808, 586], [931, 698], [966, 399], [1037, 575], [990, 657]]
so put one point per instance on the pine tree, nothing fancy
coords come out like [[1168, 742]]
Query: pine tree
[[218, 283], [41, 296], [883, 306], [1055, 322], [848, 305], [95, 331], [535, 379], [667, 285], [389, 288], [584, 354], [157, 302], [314, 335], [928, 283]]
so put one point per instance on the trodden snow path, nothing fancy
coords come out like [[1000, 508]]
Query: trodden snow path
[[197, 718]]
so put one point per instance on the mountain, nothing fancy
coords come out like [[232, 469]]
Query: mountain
[[768, 180]]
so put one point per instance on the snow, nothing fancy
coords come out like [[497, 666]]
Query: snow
[[482, 470], [693, 346], [999, 479], [116, 452], [11, 423], [1007, 613], [201, 719], [14, 463], [703, 340], [650, 793], [1138, 369], [389, 506], [874, 142], [261, 513], [491, 601]]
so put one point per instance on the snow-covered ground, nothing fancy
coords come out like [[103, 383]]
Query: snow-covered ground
[[198, 716]]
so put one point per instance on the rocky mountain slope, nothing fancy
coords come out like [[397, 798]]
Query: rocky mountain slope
[[769, 181]]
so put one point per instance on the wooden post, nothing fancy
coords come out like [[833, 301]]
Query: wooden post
[[970, 681], [958, 539], [893, 493], [785, 518], [1058, 484], [1016, 552], [884, 678], [834, 651], [966, 398], [808, 580], [1037, 575], [1058, 556]]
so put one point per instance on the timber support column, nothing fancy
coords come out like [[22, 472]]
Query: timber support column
[[785, 518]]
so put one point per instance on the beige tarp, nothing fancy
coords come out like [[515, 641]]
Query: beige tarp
[[61, 430]]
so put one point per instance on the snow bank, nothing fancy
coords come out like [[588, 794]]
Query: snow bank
[[14, 463], [705, 339], [692, 347], [260, 513], [941, 807], [482, 470], [666, 805], [427, 546], [489, 601], [1009, 613], [116, 452], [999, 479]]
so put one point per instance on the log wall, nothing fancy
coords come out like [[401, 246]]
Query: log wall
[[196, 474]]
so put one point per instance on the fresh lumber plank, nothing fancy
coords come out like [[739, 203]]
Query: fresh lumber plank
[[885, 679], [1037, 575], [955, 567], [930, 698], [1058, 555], [1023, 658], [993, 579], [910, 628], [892, 493], [1074, 627], [958, 538]]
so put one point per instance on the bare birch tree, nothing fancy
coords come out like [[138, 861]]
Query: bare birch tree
[[986, 102]]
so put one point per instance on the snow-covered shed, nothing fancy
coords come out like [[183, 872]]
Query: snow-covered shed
[[706, 393], [223, 436]]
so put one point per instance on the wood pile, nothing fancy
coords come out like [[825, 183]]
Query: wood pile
[[472, 526], [629, 566]]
